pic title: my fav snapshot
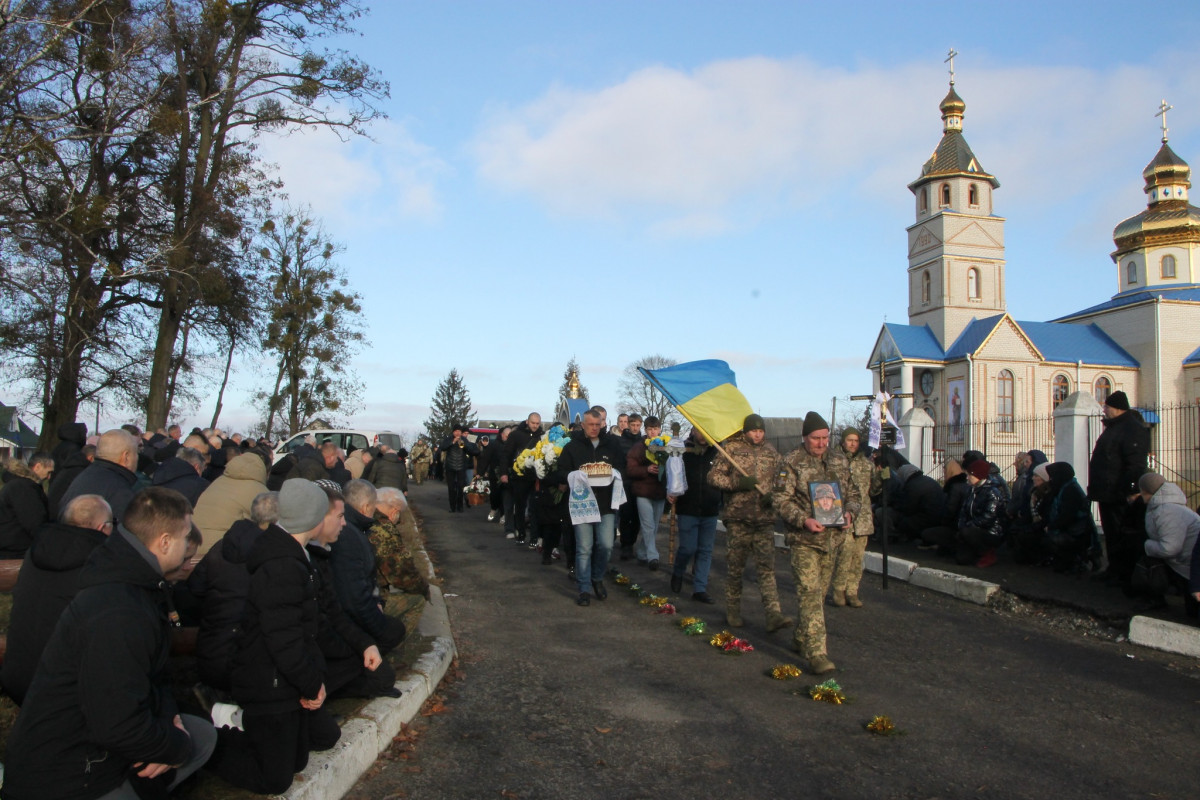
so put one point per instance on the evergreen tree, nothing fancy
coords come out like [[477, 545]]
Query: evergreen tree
[[451, 403], [572, 366]]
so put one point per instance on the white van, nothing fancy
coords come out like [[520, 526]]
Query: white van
[[347, 440]]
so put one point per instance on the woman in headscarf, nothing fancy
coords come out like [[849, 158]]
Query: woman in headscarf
[[1067, 515]]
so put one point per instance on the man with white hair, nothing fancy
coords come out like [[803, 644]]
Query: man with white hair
[[111, 474], [395, 564]]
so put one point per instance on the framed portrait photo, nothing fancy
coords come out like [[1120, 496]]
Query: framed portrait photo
[[827, 503]]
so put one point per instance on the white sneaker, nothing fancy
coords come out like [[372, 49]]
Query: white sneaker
[[501, 520], [226, 715], [491, 515], [510, 536]]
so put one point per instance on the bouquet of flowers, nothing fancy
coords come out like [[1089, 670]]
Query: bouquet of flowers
[[542, 457], [656, 451], [478, 485]]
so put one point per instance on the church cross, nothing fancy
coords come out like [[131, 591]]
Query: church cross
[[1162, 112], [950, 60]]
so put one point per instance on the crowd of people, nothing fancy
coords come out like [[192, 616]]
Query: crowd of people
[[295, 575]]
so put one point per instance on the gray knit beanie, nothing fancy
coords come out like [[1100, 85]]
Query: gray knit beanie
[[302, 505], [1151, 482]]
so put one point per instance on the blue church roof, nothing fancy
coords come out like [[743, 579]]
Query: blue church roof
[[915, 341], [576, 406], [1194, 358], [1059, 341], [1183, 292], [972, 337]]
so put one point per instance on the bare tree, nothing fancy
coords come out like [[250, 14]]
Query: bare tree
[[638, 395]]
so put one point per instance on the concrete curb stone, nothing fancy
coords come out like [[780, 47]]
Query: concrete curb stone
[[1161, 634]]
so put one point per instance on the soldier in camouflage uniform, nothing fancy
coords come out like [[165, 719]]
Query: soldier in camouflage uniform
[[749, 518], [395, 562], [814, 546], [848, 566], [421, 457]]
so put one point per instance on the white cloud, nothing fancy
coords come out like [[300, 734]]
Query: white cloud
[[359, 182], [695, 153]]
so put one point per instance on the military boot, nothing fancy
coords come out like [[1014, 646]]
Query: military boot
[[777, 621], [733, 617], [839, 597], [853, 601], [819, 664]]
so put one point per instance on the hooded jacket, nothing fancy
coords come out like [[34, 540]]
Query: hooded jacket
[[278, 661], [1172, 528], [228, 498], [64, 476], [1119, 458], [48, 581], [920, 502], [23, 509], [72, 436], [108, 479], [1065, 509], [177, 474], [221, 584], [97, 704]]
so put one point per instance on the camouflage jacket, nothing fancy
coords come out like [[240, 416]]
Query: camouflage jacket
[[759, 461], [395, 565], [866, 478], [794, 504], [420, 453]]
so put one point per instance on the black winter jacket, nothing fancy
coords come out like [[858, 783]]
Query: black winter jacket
[[64, 476], [111, 481], [920, 502], [1119, 458], [459, 458], [23, 509], [221, 584], [700, 500], [278, 661], [48, 581], [98, 704], [957, 490], [388, 470], [72, 436], [353, 561], [520, 439], [337, 635], [177, 474]]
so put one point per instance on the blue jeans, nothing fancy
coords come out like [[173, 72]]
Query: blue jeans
[[597, 536], [696, 537], [649, 512]]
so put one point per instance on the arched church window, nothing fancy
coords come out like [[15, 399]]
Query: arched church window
[[1060, 387], [1168, 266], [1102, 388], [973, 195], [945, 194], [1004, 401], [926, 287], [924, 199], [1131, 272], [972, 284]]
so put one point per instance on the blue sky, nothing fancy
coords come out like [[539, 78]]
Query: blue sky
[[712, 180]]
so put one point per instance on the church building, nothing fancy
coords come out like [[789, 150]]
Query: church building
[[965, 358]]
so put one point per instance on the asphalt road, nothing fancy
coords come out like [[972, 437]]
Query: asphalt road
[[613, 701]]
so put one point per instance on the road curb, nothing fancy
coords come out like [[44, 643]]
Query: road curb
[[1161, 634], [332, 773]]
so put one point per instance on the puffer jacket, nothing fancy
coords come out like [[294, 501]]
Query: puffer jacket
[[761, 461], [229, 497], [983, 508], [1172, 528]]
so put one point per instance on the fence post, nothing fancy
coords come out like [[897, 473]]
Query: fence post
[[1076, 431], [918, 438]]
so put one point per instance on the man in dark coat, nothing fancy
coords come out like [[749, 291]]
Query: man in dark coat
[[47, 583], [523, 437], [353, 561], [387, 469], [98, 716], [629, 523], [72, 436], [459, 454], [697, 509], [23, 504], [183, 474], [111, 475], [65, 475], [1118, 460], [279, 672]]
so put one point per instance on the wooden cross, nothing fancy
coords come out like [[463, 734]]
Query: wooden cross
[[884, 472], [1162, 112], [950, 59]]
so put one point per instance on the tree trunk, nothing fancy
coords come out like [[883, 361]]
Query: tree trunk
[[225, 382], [169, 321]]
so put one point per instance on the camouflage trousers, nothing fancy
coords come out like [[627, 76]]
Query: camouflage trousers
[[744, 539], [848, 565], [420, 472], [813, 571]]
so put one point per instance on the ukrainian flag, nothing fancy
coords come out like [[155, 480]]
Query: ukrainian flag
[[705, 393]]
